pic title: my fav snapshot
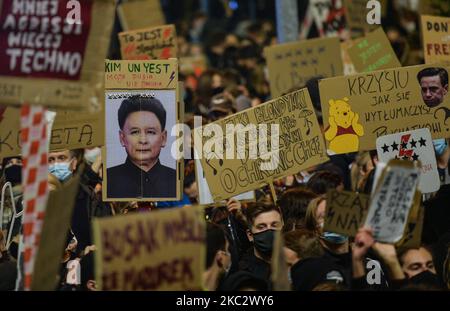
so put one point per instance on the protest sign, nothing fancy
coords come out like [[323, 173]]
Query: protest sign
[[390, 206], [412, 237], [345, 212], [436, 39], [373, 52], [47, 60], [130, 14], [54, 235], [328, 17], [358, 109], [150, 43], [279, 267], [70, 131], [204, 194], [412, 145], [141, 170], [356, 16], [161, 250], [278, 138], [290, 65], [349, 68]]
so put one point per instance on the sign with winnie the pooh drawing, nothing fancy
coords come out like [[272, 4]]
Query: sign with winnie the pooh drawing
[[357, 109]]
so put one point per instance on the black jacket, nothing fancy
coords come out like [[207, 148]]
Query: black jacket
[[257, 267], [129, 181]]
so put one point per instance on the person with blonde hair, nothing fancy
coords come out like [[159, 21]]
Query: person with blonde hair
[[315, 214], [360, 169]]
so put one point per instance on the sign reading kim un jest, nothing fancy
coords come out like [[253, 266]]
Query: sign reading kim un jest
[[141, 109]]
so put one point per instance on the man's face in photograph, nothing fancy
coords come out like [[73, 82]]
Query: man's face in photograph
[[433, 91], [143, 137]]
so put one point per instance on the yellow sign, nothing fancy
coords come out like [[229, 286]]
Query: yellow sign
[[345, 212], [291, 65], [239, 153], [162, 250], [358, 109], [436, 39], [373, 52], [138, 14]]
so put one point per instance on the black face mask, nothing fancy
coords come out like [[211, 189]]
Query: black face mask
[[263, 242], [218, 90], [426, 278], [13, 174]]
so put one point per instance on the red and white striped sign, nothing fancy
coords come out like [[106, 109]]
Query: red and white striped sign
[[34, 138]]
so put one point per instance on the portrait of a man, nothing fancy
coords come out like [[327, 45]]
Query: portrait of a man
[[434, 85], [143, 134]]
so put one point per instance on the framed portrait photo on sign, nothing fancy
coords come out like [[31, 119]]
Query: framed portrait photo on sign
[[139, 164]]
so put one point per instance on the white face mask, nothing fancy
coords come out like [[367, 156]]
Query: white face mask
[[90, 155]]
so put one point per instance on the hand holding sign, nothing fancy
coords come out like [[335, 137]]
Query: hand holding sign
[[412, 145], [392, 201]]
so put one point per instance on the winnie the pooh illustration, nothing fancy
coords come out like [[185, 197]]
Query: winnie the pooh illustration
[[344, 130]]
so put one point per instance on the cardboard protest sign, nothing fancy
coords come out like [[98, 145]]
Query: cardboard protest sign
[[412, 145], [358, 109], [54, 235], [356, 16], [412, 238], [142, 109], [151, 43], [45, 59], [349, 68], [279, 266], [345, 212], [373, 52], [131, 14], [70, 131], [161, 250], [292, 64], [392, 201], [262, 144], [204, 194], [436, 39]]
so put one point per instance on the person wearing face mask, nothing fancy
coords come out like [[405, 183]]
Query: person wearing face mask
[[263, 220], [12, 172], [335, 265], [218, 257], [63, 165]]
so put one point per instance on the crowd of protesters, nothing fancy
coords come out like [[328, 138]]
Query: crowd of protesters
[[239, 239]]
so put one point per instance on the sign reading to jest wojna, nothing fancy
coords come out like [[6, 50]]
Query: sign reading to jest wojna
[[151, 43]]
